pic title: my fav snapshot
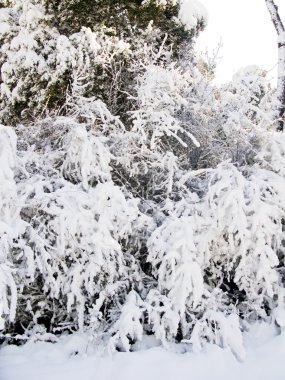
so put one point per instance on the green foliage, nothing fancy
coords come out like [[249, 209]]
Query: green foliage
[[124, 18], [42, 85], [5, 3]]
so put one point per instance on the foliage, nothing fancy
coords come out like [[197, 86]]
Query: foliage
[[138, 198]]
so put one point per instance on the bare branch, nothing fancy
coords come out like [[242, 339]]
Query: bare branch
[[276, 19], [279, 26]]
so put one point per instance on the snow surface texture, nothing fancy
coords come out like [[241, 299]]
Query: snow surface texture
[[69, 359]]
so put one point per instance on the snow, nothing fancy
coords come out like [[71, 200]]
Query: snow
[[72, 358], [97, 233], [191, 13]]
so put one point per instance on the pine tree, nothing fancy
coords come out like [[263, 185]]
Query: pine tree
[[138, 197]]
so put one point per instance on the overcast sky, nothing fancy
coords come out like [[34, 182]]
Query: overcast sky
[[247, 34]]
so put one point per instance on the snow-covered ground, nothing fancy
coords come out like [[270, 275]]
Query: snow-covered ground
[[68, 360]]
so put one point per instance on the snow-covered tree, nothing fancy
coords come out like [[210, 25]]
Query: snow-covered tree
[[138, 197], [9, 225]]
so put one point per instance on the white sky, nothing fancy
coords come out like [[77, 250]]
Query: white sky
[[247, 34]]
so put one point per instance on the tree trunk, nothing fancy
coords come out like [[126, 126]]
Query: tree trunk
[[276, 19]]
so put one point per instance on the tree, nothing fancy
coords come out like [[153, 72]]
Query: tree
[[122, 18], [280, 29], [120, 212], [9, 225], [46, 45]]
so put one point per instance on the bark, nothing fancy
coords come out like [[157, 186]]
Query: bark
[[278, 24]]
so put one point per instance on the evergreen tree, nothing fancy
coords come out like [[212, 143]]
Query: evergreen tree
[[48, 46], [138, 198]]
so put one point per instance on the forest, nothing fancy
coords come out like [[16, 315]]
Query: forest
[[137, 197]]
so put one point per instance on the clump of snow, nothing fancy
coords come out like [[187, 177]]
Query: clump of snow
[[191, 13], [5, 26], [162, 3]]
